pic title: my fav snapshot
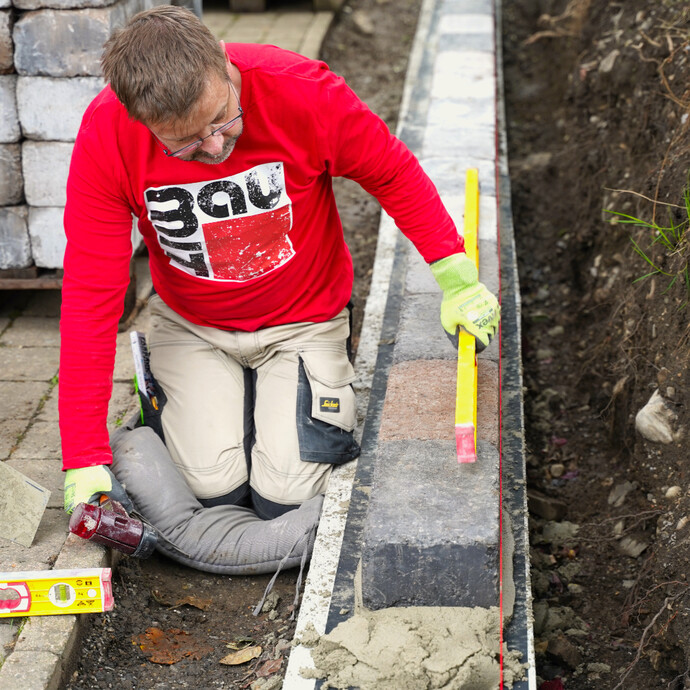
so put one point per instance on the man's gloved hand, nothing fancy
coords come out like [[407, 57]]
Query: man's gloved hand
[[467, 303], [86, 484]]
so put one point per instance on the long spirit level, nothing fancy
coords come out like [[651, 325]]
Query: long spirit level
[[466, 390], [53, 592]]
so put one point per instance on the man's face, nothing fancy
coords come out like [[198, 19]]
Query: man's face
[[218, 106]]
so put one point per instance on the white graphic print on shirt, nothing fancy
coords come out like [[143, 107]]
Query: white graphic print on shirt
[[235, 228]]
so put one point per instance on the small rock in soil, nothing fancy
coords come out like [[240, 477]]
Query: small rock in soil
[[559, 533], [619, 493], [632, 546], [655, 420], [545, 506], [564, 651]]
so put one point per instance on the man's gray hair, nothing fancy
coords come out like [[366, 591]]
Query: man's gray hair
[[160, 62]]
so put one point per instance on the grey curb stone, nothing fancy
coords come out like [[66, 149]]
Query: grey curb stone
[[36, 670], [423, 543]]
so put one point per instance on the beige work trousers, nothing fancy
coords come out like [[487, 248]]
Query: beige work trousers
[[289, 381]]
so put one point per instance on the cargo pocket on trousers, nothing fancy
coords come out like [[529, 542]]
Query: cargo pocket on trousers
[[326, 407]]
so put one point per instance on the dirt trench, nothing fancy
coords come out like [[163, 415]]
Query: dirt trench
[[597, 103]]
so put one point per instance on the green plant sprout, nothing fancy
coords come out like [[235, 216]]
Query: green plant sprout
[[673, 241]]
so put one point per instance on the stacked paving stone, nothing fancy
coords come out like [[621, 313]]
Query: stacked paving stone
[[49, 72]]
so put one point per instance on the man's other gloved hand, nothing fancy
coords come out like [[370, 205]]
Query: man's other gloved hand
[[86, 484], [467, 303]]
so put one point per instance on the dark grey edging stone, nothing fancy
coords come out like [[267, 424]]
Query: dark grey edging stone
[[431, 537]]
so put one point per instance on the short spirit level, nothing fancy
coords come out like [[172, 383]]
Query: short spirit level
[[53, 592]]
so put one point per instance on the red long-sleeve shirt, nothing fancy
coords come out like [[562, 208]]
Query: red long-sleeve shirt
[[252, 242]]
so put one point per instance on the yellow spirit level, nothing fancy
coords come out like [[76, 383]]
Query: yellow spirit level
[[53, 592], [466, 390]]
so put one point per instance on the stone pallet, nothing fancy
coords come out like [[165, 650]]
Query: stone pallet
[[50, 54]]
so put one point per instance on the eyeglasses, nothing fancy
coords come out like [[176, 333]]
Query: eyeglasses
[[189, 148]]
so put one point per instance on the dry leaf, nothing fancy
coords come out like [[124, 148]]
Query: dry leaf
[[241, 657], [268, 668], [170, 646]]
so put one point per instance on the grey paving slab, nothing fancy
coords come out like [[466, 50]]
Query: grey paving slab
[[301, 31], [54, 634], [313, 36], [31, 671], [28, 363], [19, 399], [8, 631], [42, 440], [47, 543], [45, 471], [432, 531], [49, 409], [32, 331], [12, 430]]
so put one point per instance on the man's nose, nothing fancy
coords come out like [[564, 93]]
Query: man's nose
[[213, 144]]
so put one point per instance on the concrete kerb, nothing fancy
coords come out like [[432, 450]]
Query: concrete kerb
[[375, 496]]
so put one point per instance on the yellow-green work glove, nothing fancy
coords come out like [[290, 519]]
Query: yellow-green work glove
[[86, 484], [467, 303]]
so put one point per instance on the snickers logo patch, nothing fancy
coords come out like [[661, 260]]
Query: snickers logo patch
[[329, 404]]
